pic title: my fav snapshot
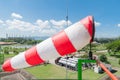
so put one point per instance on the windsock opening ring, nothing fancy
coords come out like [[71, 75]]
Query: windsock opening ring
[[87, 24]]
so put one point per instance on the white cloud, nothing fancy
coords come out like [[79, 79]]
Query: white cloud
[[1, 22], [60, 23], [49, 32], [97, 24], [20, 25], [41, 27], [15, 15], [38, 28], [42, 24], [69, 22], [118, 25]]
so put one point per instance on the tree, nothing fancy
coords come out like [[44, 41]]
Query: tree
[[21, 40], [6, 50], [114, 47], [103, 58], [15, 51], [119, 61]]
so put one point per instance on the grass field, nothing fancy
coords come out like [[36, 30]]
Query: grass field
[[7, 56], [91, 75], [51, 72], [54, 72], [114, 62]]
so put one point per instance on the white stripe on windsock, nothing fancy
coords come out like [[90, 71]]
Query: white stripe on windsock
[[19, 61], [78, 35], [46, 50]]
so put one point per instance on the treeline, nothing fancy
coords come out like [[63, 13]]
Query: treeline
[[13, 50], [21, 40], [105, 40], [112, 44], [113, 47]]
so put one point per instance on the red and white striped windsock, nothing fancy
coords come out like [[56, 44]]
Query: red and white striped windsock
[[65, 42]]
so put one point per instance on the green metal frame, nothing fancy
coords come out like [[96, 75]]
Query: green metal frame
[[80, 66]]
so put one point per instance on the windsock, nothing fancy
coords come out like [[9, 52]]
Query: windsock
[[65, 42]]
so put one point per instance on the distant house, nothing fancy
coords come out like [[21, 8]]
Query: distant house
[[98, 69], [95, 42], [69, 62]]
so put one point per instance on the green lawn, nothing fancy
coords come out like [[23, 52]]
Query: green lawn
[[113, 62], [8, 56], [51, 72], [54, 72], [91, 75], [117, 73]]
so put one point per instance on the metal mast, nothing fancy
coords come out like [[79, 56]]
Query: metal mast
[[67, 26]]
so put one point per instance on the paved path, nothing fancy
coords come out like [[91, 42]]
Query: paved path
[[16, 75]]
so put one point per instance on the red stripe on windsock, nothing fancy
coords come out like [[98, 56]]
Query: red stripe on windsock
[[32, 56], [7, 66], [62, 44], [88, 23]]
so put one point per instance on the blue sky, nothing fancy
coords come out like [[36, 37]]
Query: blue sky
[[47, 17]]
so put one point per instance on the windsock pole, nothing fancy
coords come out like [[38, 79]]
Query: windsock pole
[[65, 42]]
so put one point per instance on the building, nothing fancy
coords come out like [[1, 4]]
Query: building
[[98, 69]]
